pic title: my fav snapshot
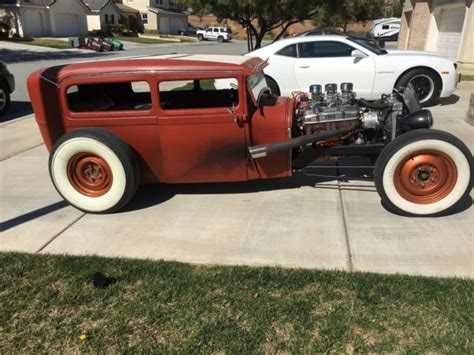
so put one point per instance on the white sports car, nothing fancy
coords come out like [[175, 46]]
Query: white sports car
[[297, 63]]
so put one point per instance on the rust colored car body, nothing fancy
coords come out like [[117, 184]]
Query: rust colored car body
[[174, 146], [111, 125]]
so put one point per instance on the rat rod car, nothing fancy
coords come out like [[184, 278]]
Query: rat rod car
[[111, 125]]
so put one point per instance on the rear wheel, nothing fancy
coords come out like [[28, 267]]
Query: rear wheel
[[4, 98], [424, 172], [272, 85], [94, 170], [200, 37], [220, 39]]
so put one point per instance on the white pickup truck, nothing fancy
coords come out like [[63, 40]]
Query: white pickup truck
[[221, 34]]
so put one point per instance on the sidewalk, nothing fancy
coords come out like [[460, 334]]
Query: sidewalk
[[297, 222]]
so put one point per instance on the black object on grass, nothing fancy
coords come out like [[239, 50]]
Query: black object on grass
[[99, 280]]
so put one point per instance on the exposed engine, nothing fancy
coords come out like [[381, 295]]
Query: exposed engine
[[330, 109], [329, 118]]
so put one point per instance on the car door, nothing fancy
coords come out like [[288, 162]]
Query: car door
[[209, 33], [201, 139], [324, 62]]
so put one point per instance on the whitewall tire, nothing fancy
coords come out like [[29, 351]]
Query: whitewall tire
[[424, 172], [94, 170]]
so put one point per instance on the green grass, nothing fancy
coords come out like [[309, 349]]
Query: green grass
[[47, 302], [52, 43], [465, 77], [141, 40]]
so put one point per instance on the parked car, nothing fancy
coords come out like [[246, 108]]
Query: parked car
[[111, 125], [332, 32], [386, 29], [297, 62], [190, 31], [7, 86], [221, 34]]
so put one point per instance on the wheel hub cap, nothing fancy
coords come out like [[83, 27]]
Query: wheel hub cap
[[89, 174], [425, 177]]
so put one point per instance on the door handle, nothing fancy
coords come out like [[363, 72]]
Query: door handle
[[304, 65]]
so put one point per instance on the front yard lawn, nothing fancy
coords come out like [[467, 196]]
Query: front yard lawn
[[47, 304], [52, 43]]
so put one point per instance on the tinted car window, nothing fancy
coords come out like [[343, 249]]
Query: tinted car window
[[122, 96], [324, 49], [288, 51], [195, 94], [315, 33]]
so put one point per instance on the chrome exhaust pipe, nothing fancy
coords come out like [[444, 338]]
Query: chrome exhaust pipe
[[262, 150]]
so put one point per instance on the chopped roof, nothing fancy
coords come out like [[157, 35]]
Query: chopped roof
[[171, 62]]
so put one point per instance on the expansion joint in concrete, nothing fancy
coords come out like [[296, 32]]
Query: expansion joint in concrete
[[59, 233]]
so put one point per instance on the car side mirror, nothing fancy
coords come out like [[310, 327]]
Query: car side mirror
[[358, 54]]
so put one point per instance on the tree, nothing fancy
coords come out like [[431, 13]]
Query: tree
[[261, 17], [340, 13]]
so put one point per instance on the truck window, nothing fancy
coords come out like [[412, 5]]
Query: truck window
[[122, 96], [204, 93]]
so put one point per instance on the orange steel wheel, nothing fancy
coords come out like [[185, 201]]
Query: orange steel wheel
[[89, 174], [425, 177]]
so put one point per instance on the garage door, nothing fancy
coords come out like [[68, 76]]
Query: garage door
[[34, 25], [450, 28], [67, 25]]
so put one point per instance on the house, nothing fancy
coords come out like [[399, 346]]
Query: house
[[159, 15], [443, 26], [65, 18], [109, 12], [42, 18]]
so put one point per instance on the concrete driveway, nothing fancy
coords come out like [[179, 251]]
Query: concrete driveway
[[297, 222]]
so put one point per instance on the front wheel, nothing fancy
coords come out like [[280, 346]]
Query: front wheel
[[424, 172], [425, 84], [94, 170]]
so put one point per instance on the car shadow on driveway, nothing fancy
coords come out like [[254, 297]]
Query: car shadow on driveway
[[17, 109], [154, 194], [451, 100]]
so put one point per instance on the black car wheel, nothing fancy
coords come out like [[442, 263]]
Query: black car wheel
[[272, 85], [424, 83], [4, 98]]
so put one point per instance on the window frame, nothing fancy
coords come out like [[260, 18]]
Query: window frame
[[107, 118], [286, 56], [332, 41], [209, 111]]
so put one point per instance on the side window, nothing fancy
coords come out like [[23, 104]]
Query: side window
[[288, 51], [324, 49], [209, 30], [122, 96], [195, 94], [385, 27], [216, 29]]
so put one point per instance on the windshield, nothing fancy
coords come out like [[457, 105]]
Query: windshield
[[368, 45], [257, 83]]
